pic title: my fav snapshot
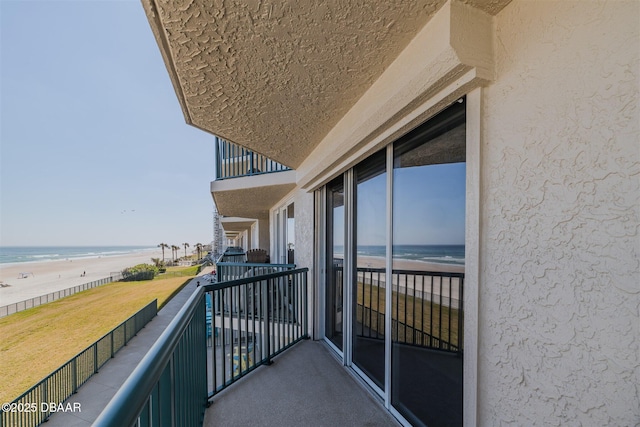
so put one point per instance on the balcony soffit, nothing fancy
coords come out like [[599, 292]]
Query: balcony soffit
[[253, 196], [277, 76], [250, 202], [235, 226]]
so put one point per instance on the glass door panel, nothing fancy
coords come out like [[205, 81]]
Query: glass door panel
[[285, 235], [335, 262], [368, 287], [291, 235], [428, 271]]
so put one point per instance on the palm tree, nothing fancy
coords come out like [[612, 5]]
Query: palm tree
[[174, 251], [199, 249], [163, 245], [186, 245]]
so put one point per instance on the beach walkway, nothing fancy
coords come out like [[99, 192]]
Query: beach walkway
[[96, 393]]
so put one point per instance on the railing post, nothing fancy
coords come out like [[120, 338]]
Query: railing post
[[45, 396], [74, 364], [267, 322], [95, 358], [305, 305]]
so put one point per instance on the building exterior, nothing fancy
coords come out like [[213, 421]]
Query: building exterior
[[524, 113]]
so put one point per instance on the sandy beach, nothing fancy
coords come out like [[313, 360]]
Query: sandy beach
[[50, 276], [405, 264]]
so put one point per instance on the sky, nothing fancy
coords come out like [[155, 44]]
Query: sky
[[429, 207], [94, 149]]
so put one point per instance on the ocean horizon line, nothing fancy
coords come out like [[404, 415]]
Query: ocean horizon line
[[442, 254], [11, 255]]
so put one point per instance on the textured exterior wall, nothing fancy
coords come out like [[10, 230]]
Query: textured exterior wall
[[304, 211], [560, 247], [263, 234]]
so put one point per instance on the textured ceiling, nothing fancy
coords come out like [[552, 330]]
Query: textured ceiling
[[277, 76], [250, 202]]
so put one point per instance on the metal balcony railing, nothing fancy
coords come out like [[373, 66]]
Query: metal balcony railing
[[232, 265], [232, 255], [238, 270], [222, 333], [252, 320], [233, 161], [426, 307]]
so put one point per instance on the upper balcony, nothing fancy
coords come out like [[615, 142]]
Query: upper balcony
[[247, 183], [234, 161]]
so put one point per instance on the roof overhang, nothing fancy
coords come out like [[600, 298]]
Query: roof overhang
[[277, 77], [251, 196]]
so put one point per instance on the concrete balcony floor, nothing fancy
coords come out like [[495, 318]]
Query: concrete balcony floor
[[305, 386]]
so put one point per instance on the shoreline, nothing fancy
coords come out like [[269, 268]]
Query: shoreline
[[409, 264], [55, 275]]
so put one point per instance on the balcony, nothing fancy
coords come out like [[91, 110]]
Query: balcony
[[306, 385], [234, 161], [243, 345], [310, 384], [233, 265], [223, 332], [243, 176]]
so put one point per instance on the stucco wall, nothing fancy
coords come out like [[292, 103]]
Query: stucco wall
[[263, 234], [560, 248], [304, 228], [304, 210]]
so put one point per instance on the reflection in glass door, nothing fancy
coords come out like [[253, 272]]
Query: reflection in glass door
[[368, 300], [291, 235], [428, 270], [284, 232], [335, 262], [403, 210]]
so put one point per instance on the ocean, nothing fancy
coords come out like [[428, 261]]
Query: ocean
[[443, 254], [19, 254]]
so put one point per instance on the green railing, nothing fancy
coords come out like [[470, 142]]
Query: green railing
[[253, 319], [169, 385], [232, 256], [234, 161], [204, 350], [237, 270], [36, 405]]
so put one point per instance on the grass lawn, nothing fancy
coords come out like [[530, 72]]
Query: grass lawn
[[35, 342]]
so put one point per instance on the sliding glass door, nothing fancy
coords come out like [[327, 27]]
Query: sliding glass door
[[398, 286], [428, 264], [284, 233], [335, 263], [368, 285]]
